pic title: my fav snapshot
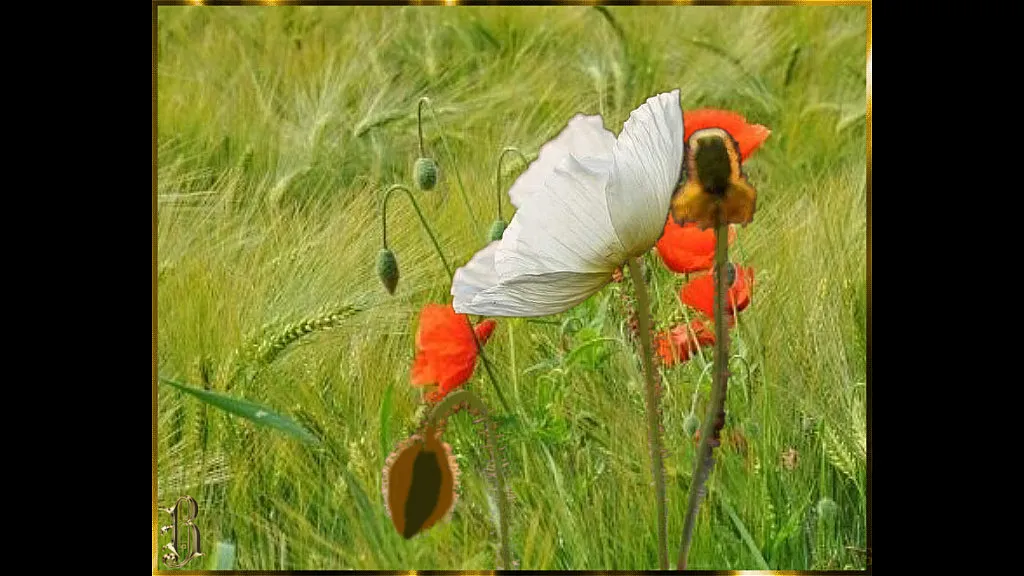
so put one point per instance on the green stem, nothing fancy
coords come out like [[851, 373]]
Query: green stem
[[447, 268], [653, 411], [441, 412], [419, 122], [715, 418], [416, 206], [451, 158], [497, 176], [487, 367]]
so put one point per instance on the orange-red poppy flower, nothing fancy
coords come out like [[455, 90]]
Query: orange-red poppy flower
[[748, 136], [687, 248], [682, 341], [445, 349], [716, 189], [699, 293], [419, 485]]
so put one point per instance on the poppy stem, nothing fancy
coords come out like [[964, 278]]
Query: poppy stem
[[447, 268], [441, 412], [497, 176], [487, 366], [653, 410], [451, 158], [419, 122], [416, 206], [715, 418]]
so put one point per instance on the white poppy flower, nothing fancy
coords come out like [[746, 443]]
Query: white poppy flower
[[588, 202]]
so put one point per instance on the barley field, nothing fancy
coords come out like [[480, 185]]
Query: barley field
[[279, 128]]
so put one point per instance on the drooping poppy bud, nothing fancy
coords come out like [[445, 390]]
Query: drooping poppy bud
[[425, 170], [419, 483], [387, 269]]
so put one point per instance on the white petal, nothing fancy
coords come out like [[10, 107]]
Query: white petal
[[566, 227], [477, 275], [526, 296], [648, 159], [583, 136]]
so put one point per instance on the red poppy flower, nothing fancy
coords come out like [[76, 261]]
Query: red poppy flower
[[687, 248], [445, 349], [748, 136], [700, 293], [682, 341]]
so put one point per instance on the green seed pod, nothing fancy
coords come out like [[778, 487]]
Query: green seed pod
[[827, 508], [690, 425], [387, 269], [497, 229], [426, 173]]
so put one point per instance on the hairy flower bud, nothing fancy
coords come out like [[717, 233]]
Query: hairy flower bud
[[425, 170], [387, 269]]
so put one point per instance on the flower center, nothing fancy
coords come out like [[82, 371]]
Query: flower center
[[713, 167]]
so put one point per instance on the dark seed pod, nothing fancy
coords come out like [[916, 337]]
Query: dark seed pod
[[387, 269], [497, 229], [426, 173]]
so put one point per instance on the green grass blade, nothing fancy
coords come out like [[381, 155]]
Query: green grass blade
[[747, 538], [224, 556], [256, 413], [386, 410]]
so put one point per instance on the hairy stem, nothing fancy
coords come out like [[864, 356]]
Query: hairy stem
[[447, 268], [715, 419], [653, 410], [445, 409], [487, 367], [416, 206], [451, 158], [419, 122], [497, 176]]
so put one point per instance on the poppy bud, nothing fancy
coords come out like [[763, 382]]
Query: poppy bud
[[690, 424], [426, 173], [497, 229], [387, 269]]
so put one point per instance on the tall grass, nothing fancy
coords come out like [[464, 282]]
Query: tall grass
[[279, 127]]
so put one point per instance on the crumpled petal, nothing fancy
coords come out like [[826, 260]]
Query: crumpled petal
[[749, 137], [648, 161], [476, 289], [600, 201], [687, 248], [567, 228], [445, 349], [583, 136]]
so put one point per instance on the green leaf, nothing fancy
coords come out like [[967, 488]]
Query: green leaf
[[251, 411], [744, 533]]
